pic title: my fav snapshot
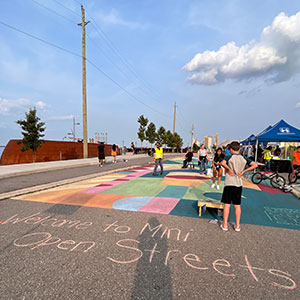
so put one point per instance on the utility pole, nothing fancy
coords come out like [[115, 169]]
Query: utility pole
[[174, 117], [192, 137], [84, 109], [174, 122]]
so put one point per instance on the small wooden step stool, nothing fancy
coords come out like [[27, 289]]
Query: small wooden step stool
[[204, 204]]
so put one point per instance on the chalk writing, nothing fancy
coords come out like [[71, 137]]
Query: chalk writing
[[48, 221], [41, 239], [193, 261]]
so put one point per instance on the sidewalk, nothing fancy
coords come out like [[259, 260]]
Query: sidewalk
[[23, 169]]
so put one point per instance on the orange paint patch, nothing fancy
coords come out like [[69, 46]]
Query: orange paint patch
[[181, 182], [247, 183]]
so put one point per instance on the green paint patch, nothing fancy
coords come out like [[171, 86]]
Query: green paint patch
[[173, 192], [186, 208], [121, 172], [142, 187]]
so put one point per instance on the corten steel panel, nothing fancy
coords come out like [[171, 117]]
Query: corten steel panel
[[49, 151]]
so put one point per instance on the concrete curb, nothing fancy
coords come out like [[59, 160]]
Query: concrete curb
[[47, 186]]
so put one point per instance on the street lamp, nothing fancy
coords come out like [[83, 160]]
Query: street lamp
[[74, 130]]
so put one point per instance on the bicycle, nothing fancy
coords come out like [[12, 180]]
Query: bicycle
[[296, 176], [276, 180]]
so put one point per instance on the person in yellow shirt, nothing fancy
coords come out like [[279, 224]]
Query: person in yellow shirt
[[267, 157], [296, 162], [158, 158]]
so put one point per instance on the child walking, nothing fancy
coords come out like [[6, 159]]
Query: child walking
[[234, 166]]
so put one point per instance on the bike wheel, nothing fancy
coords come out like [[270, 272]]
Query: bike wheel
[[277, 181], [294, 179], [257, 178]]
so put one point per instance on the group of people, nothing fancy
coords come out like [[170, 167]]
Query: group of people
[[101, 153]]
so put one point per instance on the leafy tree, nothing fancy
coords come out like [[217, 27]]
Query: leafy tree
[[143, 123], [161, 135], [178, 142], [174, 140], [195, 147], [32, 132], [151, 133]]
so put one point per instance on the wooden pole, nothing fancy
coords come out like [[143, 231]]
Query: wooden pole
[[84, 105]]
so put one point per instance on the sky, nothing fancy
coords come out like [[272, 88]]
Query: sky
[[231, 66]]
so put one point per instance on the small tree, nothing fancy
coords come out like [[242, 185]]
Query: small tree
[[141, 133], [178, 142], [161, 135], [32, 132], [151, 133], [169, 139]]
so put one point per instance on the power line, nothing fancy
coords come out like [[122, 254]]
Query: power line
[[96, 45], [89, 61], [111, 45], [53, 11]]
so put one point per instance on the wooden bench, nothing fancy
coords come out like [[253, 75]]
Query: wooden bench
[[202, 204]]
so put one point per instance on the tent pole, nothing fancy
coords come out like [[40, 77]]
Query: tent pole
[[256, 148]]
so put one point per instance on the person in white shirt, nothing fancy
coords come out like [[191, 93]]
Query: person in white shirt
[[203, 159]]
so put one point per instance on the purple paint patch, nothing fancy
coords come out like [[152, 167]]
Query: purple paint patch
[[188, 177], [270, 189], [160, 205]]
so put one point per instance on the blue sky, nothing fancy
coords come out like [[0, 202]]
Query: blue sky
[[231, 66]]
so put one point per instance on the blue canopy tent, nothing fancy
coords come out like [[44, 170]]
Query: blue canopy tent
[[250, 140], [280, 132]]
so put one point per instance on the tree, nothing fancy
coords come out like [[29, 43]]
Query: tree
[[178, 142], [32, 132], [151, 133], [143, 123], [161, 135], [174, 140]]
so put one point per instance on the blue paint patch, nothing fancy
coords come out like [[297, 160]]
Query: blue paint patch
[[131, 203]]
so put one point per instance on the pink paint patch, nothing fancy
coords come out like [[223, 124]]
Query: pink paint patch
[[270, 189], [160, 205], [101, 188]]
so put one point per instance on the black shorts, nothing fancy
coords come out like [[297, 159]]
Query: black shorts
[[295, 167], [232, 194]]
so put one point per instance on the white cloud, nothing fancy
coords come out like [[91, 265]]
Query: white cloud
[[61, 118], [298, 105], [276, 56], [114, 18], [8, 106]]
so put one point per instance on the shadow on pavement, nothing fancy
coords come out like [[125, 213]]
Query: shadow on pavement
[[152, 277]]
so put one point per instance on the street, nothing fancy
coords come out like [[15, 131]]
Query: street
[[128, 235]]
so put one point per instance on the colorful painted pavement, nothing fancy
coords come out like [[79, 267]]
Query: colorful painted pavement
[[176, 192]]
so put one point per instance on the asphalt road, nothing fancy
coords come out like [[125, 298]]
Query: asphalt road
[[69, 252], [30, 180]]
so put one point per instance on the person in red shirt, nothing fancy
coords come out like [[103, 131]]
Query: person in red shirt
[[296, 162]]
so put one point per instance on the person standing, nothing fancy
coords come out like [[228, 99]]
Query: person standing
[[217, 168], [114, 153], [203, 159], [101, 155], [277, 151], [158, 158], [296, 162], [132, 147], [267, 157], [234, 166]]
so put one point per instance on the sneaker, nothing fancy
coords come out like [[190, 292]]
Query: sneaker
[[154, 174], [223, 228], [213, 185], [161, 173], [237, 229], [218, 187], [101, 166]]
